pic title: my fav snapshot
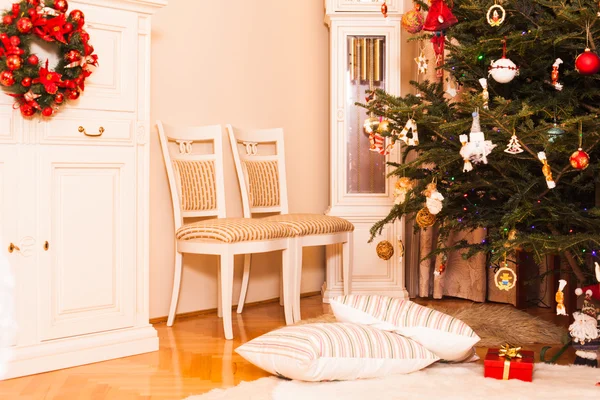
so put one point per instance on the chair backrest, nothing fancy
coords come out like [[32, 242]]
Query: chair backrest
[[194, 159], [260, 165]]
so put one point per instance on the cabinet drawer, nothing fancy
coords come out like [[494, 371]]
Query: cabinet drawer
[[96, 131]]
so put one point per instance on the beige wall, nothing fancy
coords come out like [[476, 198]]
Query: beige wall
[[253, 64]]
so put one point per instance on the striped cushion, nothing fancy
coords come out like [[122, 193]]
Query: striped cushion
[[233, 230], [336, 351], [197, 186], [263, 182], [313, 224], [448, 337]]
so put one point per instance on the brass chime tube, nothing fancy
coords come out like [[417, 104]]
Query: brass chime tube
[[352, 57], [363, 59], [377, 63]]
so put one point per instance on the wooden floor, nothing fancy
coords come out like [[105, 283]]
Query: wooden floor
[[193, 358]]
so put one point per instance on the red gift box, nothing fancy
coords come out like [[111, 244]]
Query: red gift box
[[499, 367]]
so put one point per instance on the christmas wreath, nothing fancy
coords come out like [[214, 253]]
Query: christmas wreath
[[36, 88]]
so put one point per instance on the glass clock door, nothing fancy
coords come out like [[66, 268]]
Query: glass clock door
[[366, 169]]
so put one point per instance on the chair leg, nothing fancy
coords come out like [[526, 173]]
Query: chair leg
[[287, 280], [281, 289], [219, 308], [245, 282], [227, 292], [176, 287], [347, 249], [297, 279]]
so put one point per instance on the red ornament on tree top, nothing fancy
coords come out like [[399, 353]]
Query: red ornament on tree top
[[439, 17]]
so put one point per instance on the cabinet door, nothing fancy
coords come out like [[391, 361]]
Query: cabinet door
[[8, 220], [86, 281]]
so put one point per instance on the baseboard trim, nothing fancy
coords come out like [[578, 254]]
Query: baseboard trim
[[192, 314], [87, 349]]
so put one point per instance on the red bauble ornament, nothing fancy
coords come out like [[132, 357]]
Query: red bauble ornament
[[47, 112], [24, 25], [579, 159], [73, 56], [59, 98], [7, 78], [69, 84], [3, 36], [7, 20], [61, 5], [32, 12], [73, 94], [16, 8], [26, 82], [26, 110], [78, 17], [15, 41], [33, 2], [68, 27], [33, 60], [587, 63], [14, 62]]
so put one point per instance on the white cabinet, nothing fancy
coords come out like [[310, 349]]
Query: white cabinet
[[365, 55], [75, 207]]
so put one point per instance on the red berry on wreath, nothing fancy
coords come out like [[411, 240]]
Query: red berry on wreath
[[16, 8], [7, 78], [47, 112], [32, 12], [33, 60], [78, 17], [26, 82], [14, 62], [7, 20], [85, 36], [3, 36], [73, 56], [15, 41], [587, 63], [73, 94], [26, 110], [68, 27], [59, 98], [61, 5], [24, 25]]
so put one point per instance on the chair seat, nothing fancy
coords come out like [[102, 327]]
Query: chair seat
[[312, 224], [234, 230]]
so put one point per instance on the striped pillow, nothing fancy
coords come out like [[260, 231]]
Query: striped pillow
[[335, 351], [449, 338]]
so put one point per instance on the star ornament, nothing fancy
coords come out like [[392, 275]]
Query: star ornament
[[422, 62]]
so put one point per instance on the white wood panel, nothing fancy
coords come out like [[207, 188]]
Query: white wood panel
[[113, 33], [8, 210], [87, 284]]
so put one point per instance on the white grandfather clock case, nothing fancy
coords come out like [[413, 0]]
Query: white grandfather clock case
[[74, 204], [360, 23]]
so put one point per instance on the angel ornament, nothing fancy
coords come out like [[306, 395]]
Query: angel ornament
[[475, 148], [403, 186], [434, 198]]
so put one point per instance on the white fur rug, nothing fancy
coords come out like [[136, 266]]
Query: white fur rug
[[453, 382]]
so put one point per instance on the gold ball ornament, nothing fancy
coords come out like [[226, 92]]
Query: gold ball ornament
[[384, 126], [385, 250], [371, 125], [413, 21], [424, 218]]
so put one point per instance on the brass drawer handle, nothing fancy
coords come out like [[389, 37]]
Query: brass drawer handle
[[12, 247], [100, 132], [46, 246]]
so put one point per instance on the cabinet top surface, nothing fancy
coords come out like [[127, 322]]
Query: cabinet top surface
[[144, 6]]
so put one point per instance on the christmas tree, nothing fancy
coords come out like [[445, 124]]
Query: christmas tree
[[542, 200]]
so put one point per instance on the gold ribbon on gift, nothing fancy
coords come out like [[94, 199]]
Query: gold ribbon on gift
[[508, 352]]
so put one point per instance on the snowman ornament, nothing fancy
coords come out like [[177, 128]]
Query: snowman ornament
[[503, 70], [475, 148]]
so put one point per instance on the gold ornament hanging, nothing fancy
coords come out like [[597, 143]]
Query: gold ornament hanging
[[496, 15], [506, 277], [424, 218], [385, 250]]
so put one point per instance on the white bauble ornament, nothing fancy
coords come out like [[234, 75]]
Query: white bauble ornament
[[503, 70]]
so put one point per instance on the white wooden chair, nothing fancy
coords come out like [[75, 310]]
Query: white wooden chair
[[197, 188], [262, 180]]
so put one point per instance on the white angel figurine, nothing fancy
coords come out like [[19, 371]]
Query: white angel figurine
[[475, 149]]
